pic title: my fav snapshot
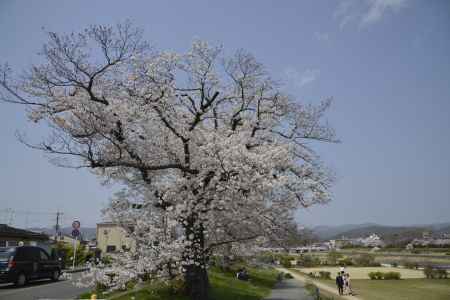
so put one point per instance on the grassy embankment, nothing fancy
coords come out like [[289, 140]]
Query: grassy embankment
[[386, 256], [362, 272], [224, 286]]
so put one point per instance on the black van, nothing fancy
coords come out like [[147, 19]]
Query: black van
[[21, 264]]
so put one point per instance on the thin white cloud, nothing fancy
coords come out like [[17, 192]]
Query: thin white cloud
[[299, 80], [322, 36], [378, 8], [365, 12], [346, 11]]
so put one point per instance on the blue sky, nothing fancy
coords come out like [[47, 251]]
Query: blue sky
[[386, 63]]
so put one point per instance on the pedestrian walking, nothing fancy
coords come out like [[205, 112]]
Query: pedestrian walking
[[340, 283], [348, 284]]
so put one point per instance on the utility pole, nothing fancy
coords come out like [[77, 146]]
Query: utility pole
[[58, 213], [11, 217]]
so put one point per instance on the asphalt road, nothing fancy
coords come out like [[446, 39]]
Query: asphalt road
[[43, 289]]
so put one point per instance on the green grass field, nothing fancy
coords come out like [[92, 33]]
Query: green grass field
[[407, 289], [224, 286], [361, 272]]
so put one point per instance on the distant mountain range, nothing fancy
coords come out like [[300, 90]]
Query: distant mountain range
[[87, 233], [386, 232]]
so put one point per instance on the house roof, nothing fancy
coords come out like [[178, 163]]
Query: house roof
[[8, 231], [107, 223]]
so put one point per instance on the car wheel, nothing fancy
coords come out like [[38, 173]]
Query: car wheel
[[21, 280], [55, 275]]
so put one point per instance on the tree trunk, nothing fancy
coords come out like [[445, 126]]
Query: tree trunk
[[197, 282]]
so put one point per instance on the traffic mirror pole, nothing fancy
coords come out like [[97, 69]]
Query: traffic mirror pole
[[74, 252]]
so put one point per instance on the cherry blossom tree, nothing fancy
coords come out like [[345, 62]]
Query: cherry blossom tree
[[209, 149]]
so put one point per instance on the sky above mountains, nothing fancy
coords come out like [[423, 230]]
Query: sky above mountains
[[386, 63]]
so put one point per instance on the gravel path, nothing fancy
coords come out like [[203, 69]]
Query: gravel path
[[289, 289], [320, 285]]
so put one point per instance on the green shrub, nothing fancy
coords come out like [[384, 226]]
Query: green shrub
[[308, 261], [394, 264], [432, 273], [265, 258], [66, 251], [333, 257], [286, 261], [442, 274], [428, 272], [288, 276], [131, 284], [346, 261], [384, 276], [365, 260], [376, 275], [324, 275], [106, 260], [392, 276]]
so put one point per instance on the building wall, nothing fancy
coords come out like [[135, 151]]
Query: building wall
[[112, 238]]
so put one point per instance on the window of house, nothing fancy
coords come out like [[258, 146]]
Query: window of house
[[110, 248], [2, 244], [13, 243]]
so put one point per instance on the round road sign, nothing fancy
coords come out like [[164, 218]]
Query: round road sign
[[76, 224]]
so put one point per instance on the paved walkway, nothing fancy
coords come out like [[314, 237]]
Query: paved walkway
[[320, 285], [289, 289]]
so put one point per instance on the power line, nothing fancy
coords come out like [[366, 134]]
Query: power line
[[9, 216], [18, 211]]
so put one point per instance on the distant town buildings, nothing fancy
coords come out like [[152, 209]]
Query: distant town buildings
[[372, 240], [428, 240]]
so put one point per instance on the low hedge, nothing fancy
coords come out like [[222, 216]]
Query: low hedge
[[325, 275], [432, 273], [384, 275], [320, 275]]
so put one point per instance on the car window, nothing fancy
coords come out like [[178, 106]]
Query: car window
[[43, 255], [6, 254]]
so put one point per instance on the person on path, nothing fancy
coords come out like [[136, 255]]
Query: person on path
[[348, 285], [340, 283], [344, 279]]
